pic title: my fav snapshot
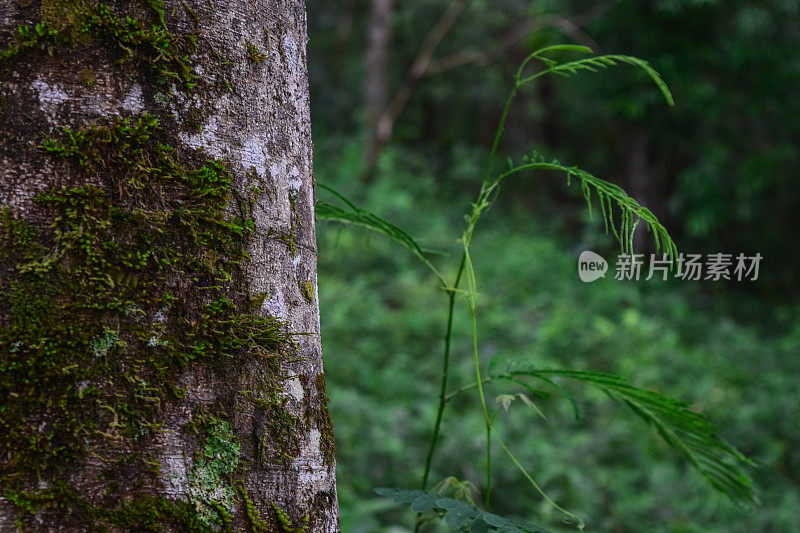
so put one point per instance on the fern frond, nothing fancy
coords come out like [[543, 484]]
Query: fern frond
[[350, 214], [589, 64], [611, 197], [684, 430]]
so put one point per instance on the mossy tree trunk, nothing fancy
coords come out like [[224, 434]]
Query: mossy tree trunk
[[160, 359]]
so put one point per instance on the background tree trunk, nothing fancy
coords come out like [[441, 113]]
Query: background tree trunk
[[641, 182], [376, 74], [149, 380]]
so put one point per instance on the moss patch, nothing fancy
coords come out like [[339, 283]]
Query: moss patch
[[279, 432], [322, 419], [87, 78], [285, 521], [210, 490], [141, 513], [166, 54], [39, 37], [65, 17], [67, 23], [307, 289], [133, 280], [255, 55]]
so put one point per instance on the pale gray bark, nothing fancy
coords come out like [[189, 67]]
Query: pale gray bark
[[261, 130]]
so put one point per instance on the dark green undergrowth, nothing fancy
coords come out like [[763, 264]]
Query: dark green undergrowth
[[675, 338]]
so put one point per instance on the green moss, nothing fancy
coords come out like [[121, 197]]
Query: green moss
[[322, 419], [65, 17], [256, 302], [285, 522], [280, 432], [256, 524], [166, 54], [288, 238], [255, 55], [96, 336], [307, 288], [210, 489], [39, 37], [133, 279], [316, 414], [87, 78], [67, 23], [190, 12], [141, 513]]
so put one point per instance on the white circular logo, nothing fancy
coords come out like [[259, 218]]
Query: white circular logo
[[591, 266]]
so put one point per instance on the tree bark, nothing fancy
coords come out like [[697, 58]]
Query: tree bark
[[160, 358]]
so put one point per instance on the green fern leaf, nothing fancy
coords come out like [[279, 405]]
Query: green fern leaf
[[457, 515], [350, 214], [686, 431], [588, 64]]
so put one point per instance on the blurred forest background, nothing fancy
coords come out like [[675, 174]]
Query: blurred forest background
[[405, 100]]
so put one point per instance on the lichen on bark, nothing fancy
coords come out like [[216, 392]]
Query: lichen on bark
[[143, 305], [99, 320]]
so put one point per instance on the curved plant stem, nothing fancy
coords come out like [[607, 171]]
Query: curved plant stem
[[500, 128], [449, 332], [472, 294], [488, 496], [569, 518]]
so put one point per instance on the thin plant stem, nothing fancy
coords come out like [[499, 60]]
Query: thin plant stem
[[445, 370], [569, 518], [472, 295], [488, 496], [465, 388], [448, 334], [500, 128]]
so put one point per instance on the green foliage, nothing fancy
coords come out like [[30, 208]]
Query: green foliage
[[350, 214], [681, 428], [40, 37], [457, 514], [686, 431], [590, 64], [605, 467], [610, 197]]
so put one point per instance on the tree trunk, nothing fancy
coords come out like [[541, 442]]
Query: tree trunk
[[160, 359], [376, 67]]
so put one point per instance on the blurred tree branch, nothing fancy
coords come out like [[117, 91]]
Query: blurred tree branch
[[381, 131], [382, 121]]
